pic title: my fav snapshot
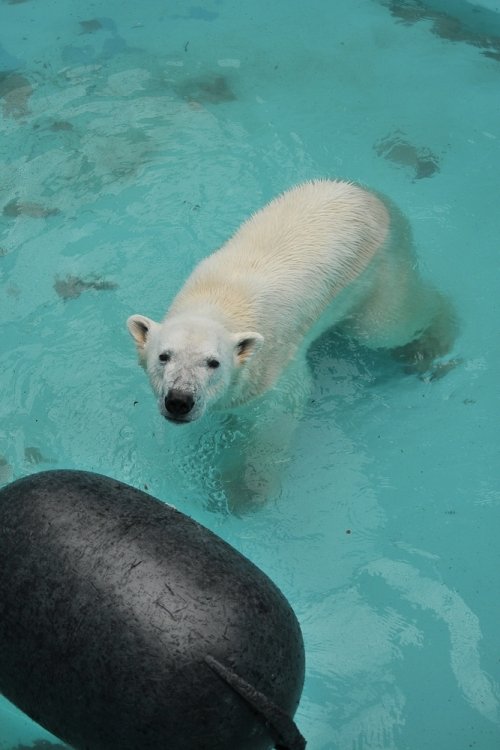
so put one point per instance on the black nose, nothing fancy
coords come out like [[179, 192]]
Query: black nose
[[178, 403]]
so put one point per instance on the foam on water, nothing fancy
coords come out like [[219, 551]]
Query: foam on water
[[133, 142]]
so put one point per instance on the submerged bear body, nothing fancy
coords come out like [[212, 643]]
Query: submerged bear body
[[324, 254]]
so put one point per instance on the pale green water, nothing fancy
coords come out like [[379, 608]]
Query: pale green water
[[134, 138]]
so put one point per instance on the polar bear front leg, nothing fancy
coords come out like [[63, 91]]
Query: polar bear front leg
[[249, 471], [257, 451]]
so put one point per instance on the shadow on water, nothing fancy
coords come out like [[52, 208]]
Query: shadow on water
[[338, 355], [210, 88], [459, 21], [72, 287], [397, 149], [15, 92]]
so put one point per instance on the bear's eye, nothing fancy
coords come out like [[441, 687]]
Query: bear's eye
[[164, 357], [213, 363]]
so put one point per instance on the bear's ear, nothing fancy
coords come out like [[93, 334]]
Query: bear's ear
[[139, 328], [246, 344]]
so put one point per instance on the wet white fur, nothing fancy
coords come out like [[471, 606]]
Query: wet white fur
[[322, 254]]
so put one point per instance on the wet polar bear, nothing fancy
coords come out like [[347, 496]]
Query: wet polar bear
[[326, 253]]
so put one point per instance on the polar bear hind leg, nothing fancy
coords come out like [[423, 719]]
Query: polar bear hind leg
[[402, 312], [434, 342]]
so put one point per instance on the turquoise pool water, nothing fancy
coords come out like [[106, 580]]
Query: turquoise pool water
[[134, 138]]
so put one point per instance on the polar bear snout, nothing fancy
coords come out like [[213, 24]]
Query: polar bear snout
[[178, 404]]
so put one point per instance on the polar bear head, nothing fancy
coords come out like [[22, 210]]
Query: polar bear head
[[192, 362]]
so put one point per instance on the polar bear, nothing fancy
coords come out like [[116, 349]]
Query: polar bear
[[325, 253]]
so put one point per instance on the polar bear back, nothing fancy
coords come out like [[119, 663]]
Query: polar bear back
[[334, 225], [294, 255]]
